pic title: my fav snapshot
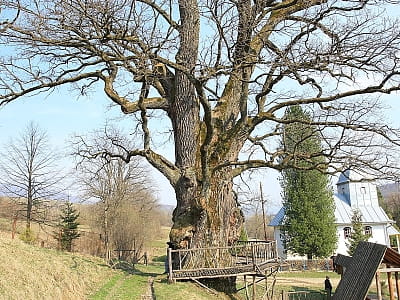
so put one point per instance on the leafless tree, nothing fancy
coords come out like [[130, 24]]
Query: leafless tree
[[115, 185], [221, 73], [255, 206], [136, 224], [30, 174]]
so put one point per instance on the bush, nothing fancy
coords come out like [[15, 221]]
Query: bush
[[28, 236]]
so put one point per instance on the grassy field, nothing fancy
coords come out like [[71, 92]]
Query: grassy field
[[31, 272]]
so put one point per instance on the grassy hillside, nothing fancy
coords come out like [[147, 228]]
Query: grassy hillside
[[30, 272]]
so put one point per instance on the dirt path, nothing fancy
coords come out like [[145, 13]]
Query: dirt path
[[149, 295], [306, 282]]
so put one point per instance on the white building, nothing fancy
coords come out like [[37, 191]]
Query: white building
[[353, 192]]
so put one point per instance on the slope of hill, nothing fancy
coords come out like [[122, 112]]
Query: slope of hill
[[29, 272]]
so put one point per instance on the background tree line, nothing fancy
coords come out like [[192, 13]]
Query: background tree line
[[117, 209]]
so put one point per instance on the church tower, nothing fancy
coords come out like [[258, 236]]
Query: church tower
[[357, 190]]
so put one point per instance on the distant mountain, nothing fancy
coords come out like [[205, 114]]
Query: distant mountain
[[389, 189]]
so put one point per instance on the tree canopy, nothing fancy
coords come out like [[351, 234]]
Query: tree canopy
[[357, 233], [309, 223], [68, 227]]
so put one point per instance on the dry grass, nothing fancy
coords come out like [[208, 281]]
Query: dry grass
[[30, 272]]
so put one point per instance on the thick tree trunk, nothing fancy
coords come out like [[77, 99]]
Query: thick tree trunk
[[207, 213], [207, 219], [214, 219]]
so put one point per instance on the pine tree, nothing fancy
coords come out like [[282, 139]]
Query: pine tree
[[308, 226], [68, 227], [357, 234]]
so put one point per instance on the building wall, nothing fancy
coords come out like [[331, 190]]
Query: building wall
[[359, 193], [379, 236]]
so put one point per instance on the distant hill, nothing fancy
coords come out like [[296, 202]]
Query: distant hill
[[389, 189]]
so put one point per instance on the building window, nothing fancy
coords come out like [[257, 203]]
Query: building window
[[368, 230], [347, 232], [363, 190]]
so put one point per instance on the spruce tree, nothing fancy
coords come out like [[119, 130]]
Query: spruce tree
[[357, 233], [308, 226], [68, 227]]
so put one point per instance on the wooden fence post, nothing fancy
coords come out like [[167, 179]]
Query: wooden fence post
[[378, 286], [170, 271], [391, 287]]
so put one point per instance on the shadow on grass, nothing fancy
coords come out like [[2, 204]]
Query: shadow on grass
[[161, 258], [296, 292], [146, 274]]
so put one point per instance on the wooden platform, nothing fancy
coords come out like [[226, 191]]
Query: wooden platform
[[246, 258], [225, 272]]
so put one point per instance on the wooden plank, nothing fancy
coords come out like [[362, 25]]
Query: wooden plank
[[392, 258], [360, 272], [238, 246], [170, 271], [378, 286], [386, 270], [391, 286], [227, 272], [204, 286]]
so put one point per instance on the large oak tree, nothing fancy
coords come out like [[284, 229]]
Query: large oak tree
[[222, 73]]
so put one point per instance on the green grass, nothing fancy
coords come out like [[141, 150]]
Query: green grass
[[181, 291], [128, 285], [29, 272], [122, 286], [105, 290], [133, 285]]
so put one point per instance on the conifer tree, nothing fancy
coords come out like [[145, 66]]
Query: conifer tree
[[308, 226], [68, 227], [357, 233]]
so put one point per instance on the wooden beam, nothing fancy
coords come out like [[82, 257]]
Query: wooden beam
[[204, 286], [391, 286], [170, 271], [396, 276], [245, 286], [254, 288], [386, 270], [378, 286]]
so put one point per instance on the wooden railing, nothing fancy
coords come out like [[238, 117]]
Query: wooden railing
[[242, 253]]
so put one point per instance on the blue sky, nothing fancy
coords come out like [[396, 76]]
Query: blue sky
[[62, 116]]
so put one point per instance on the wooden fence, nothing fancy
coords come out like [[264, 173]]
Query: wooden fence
[[307, 265], [302, 295], [242, 254]]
